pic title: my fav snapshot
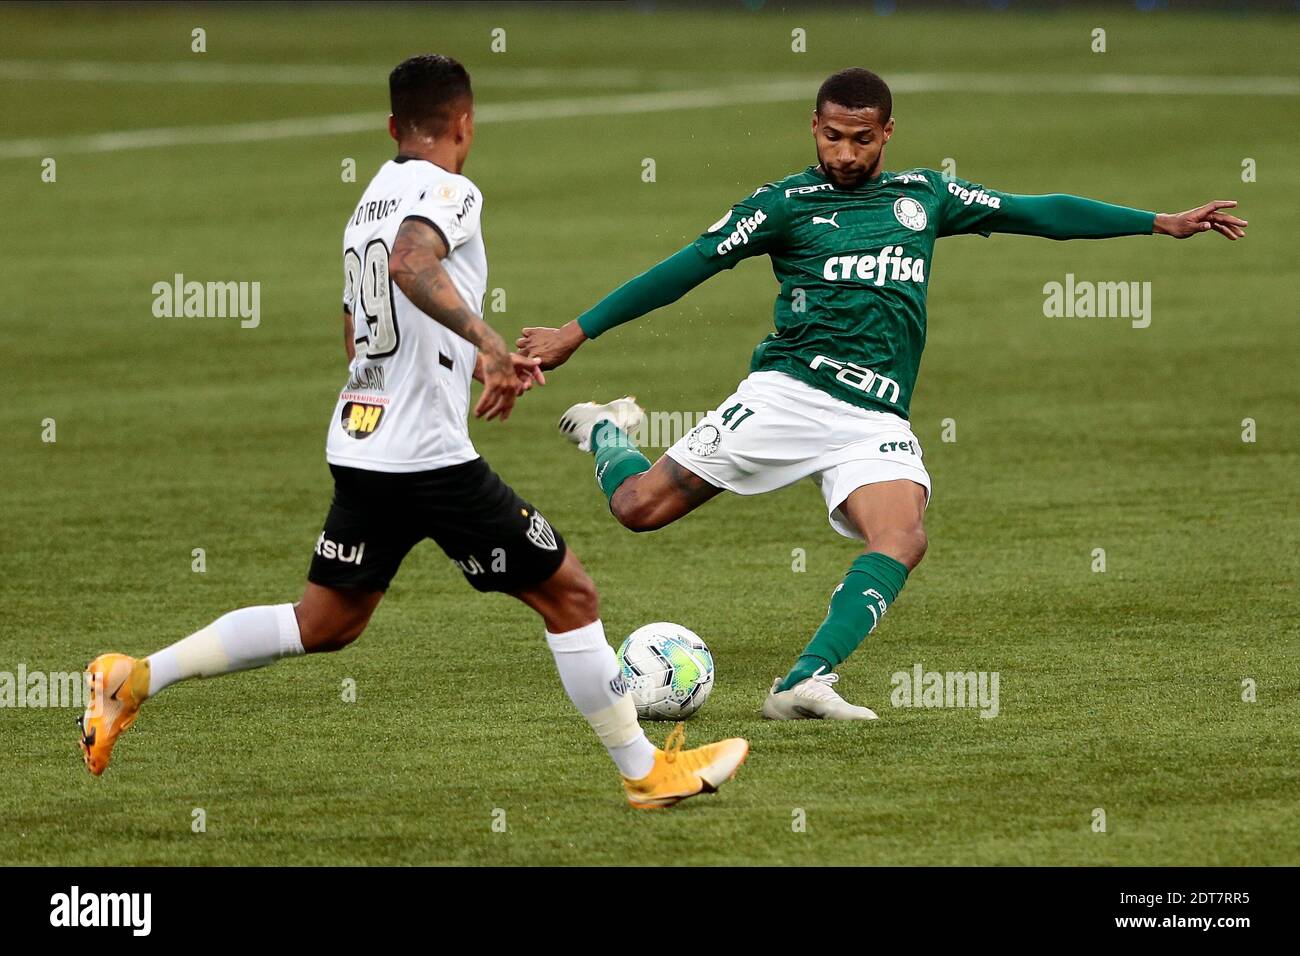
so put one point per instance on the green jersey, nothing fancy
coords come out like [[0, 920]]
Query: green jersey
[[854, 267]]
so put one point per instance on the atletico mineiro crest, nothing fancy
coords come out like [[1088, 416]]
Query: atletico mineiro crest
[[540, 532]]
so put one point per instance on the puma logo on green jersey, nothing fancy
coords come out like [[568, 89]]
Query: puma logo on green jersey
[[889, 263]]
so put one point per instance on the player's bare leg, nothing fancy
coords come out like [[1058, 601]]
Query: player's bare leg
[[329, 619], [567, 599], [568, 603], [641, 496], [325, 619], [889, 516], [658, 497]]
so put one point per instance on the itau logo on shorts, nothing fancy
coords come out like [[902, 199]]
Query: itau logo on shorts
[[541, 533], [336, 551]]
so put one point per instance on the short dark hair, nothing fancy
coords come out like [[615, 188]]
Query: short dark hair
[[424, 89], [857, 89]]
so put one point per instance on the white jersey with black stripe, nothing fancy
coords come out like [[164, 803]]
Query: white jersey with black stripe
[[404, 407]]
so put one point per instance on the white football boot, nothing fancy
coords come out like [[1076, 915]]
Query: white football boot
[[813, 698], [577, 423]]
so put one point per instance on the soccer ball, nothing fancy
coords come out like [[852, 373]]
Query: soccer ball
[[668, 669]]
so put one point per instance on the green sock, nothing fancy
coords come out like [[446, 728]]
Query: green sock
[[617, 459], [857, 605]]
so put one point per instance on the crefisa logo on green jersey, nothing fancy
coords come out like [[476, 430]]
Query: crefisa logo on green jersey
[[889, 263], [745, 228], [976, 195]]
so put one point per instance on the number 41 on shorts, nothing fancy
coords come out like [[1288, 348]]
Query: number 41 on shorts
[[732, 412]]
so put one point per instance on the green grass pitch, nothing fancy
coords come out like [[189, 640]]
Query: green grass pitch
[[1119, 690]]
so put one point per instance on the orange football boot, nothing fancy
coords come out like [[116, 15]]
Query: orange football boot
[[679, 774], [118, 685]]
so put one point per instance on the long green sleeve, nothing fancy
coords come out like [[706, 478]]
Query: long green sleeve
[[1059, 216], [656, 287]]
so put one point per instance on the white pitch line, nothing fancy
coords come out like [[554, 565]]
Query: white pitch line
[[361, 122], [309, 74], [1150, 84], [541, 77], [785, 90]]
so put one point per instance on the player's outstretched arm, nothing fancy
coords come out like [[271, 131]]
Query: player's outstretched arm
[[415, 264], [1061, 216], [1182, 225], [658, 286]]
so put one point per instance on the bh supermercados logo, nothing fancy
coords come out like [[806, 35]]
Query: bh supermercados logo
[[360, 419], [910, 213], [704, 440]]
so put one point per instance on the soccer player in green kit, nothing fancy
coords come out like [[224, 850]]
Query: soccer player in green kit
[[828, 392]]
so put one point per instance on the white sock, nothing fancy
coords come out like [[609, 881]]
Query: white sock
[[594, 682], [243, 639]]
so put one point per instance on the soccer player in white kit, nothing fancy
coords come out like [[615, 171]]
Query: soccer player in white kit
[[415, 275]]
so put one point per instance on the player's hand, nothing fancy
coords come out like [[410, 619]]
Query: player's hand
[[528, 372], [1181, 225], [500, 384], [552, 346]]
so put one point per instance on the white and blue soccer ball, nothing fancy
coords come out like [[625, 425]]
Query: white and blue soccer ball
[[668, 669]]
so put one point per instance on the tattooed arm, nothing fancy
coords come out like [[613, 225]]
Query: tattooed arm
[[416, 266]]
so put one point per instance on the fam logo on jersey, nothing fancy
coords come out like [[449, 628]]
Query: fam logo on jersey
[[704, 439], [745, 228], [889, 263], [976, 195], [906, 178], [541, 533], [860, 377], [801, 190], [910, 213], [361, 419]]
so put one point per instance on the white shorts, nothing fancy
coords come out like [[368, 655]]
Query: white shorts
[[775, 430]]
